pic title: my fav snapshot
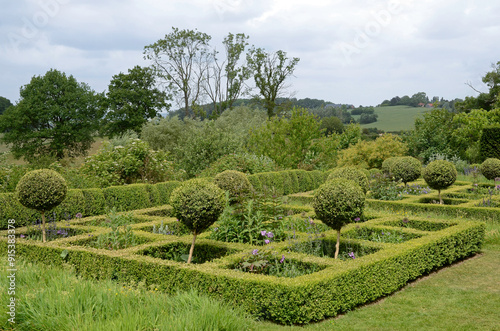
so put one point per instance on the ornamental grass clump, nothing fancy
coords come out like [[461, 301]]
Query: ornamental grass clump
[[197, 204], [440, 175], [355, 174], [490, 169], [41, 190], [406, 169], [235, 182], [338, 202]]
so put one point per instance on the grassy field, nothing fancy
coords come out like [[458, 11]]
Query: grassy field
[[395, 118]]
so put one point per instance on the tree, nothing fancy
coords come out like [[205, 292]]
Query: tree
[[4, 104], [41, 190], [56, 117], [225, 80], [181, 60], [270, 72], [131, 100], [484, 100]]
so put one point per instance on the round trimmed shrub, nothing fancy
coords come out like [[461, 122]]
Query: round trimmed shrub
[[235, 182], [355, 174], [439, 175], [490, 168], [406, 169], [41, 190], [197, 203], [387, 165], [338, 202]]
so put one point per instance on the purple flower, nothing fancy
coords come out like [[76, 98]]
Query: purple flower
[[255, 252], [78, 215], [405, 220], [267, 241], [351, 255], [270, 235], [382, 232], [280, 217], [263, 233], [357, 219], [475, 184], [22, 236], [59, 232], [282, 259], [498, 187]]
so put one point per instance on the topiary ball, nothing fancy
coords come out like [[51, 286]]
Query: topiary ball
[[406, 168], [41, 189], [338, 202], [352, 173], [387, 165], [490, 168], [233, 181], [439, 174], [197, 203]]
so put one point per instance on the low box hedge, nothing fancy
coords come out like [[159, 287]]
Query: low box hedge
[[338, 287]]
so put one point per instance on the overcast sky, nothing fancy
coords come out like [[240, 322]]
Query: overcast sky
[[358, 52]]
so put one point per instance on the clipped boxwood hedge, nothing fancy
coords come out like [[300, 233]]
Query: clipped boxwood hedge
[[339, 287]]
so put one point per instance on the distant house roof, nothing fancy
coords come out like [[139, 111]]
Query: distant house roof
[[421, 104]]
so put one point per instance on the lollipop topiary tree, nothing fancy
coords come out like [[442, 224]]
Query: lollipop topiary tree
[[490, 168], [351, 173], [41, 190], [439, 175], [235, 182], [338, 202], [406, 169], [197, 204]]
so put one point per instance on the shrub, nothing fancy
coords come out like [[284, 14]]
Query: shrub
[[41, 190], [371, 154], [490, 168], [357, 175], [439, 175], [489, 146], [337, 203], [197, 204], [406, 169], [246, 163], [387, 165], [235, 182]]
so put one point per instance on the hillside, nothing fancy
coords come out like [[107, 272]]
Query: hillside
[[395, 118]]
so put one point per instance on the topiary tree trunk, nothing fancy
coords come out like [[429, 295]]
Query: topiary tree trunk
[[337, 246], [44, 236], [191, 250]]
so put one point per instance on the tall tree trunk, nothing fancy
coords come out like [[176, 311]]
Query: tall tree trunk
[[337, 246], [441, 202], [192, 248], [44, 238]]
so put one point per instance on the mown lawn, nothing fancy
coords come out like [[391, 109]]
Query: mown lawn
[[395, 118]]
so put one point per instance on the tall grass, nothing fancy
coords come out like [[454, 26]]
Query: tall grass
[[53, 299]]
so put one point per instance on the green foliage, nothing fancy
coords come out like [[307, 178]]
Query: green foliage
[[439, 174], [371, 154], [330, 125], [382, 187], [489, 143], [270, 72], [353, 174], [432, 134], [55, 117], [490, 168], [197, 203], [235, 182], [406, 169], [132, 99], [286, 141], [41, 190], [132, 163], [338, 202], [4, 104], [244, 162], [485, 100]]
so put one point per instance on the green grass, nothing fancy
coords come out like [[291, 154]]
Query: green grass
[[395, 118]]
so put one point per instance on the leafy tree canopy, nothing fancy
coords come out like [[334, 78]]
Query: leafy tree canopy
[[56, 116], [4, 104], [132, 100]]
